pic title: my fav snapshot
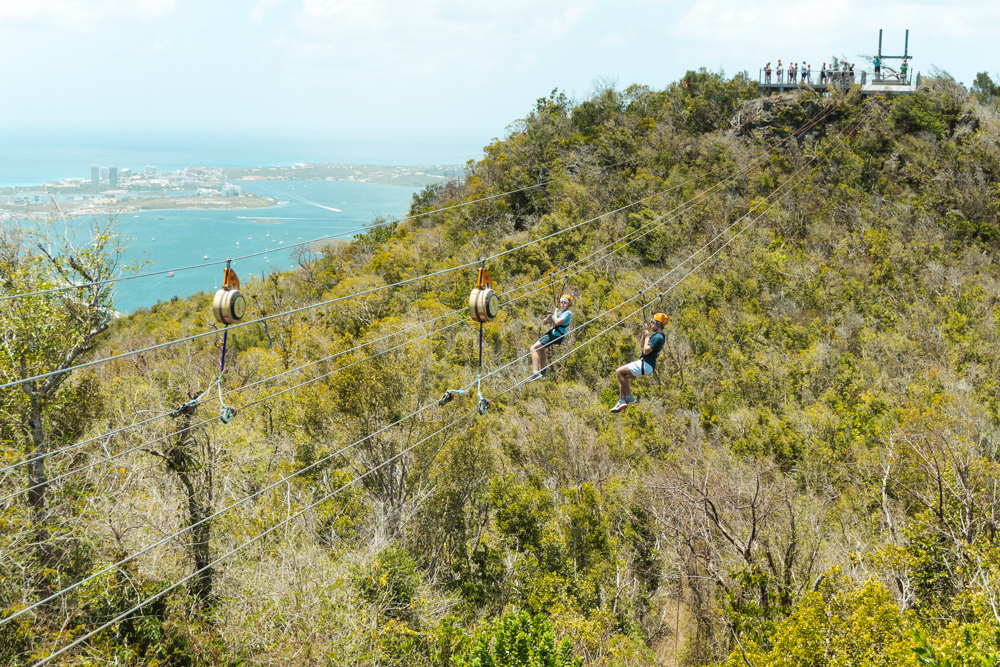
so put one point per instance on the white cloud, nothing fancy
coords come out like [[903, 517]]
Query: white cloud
[[81, 15]]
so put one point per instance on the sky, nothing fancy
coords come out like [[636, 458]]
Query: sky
[[460, 71]]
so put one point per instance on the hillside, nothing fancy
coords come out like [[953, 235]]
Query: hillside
[[810, 478]]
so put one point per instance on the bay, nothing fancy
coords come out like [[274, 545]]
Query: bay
[[171, 239]]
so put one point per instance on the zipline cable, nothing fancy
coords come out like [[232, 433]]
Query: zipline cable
[[109, 434], [690, 257], [344, 487], [622, 245], [241, 547], [685, 204], [700, 195], [362, 293], [407, 281], [79, 640], [234, 505]]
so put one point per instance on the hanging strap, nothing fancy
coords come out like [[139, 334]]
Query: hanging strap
[[225, 337], [484, 405]]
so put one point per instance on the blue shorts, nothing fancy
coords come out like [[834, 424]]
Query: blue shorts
[[548, 340]]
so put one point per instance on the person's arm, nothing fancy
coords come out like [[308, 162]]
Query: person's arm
[[644, 339], [646, 349], [558, 318]]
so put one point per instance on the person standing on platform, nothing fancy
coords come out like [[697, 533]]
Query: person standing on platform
[[877, 62], [779, 70], [902, 71], [822, 75], [807, 74], [791, 73], [852, 74], [767, 73]]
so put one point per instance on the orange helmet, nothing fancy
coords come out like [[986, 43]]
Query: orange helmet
[[566, 297], [661, 318]]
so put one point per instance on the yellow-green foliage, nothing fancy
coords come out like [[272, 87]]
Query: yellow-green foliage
[[826, 402]]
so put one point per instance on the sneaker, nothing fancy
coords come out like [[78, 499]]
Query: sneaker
[[630, 399], [619, 406], [533, 377]]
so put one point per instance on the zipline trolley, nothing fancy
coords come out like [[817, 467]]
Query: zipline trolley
[[228, 307], [484, 306]]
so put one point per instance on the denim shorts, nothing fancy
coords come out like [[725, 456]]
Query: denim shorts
[[548, 340]]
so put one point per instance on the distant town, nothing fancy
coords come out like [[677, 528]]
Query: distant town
[[112, 190], [380, 174]]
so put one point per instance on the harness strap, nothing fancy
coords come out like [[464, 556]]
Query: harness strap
[[225, 337], [483, 404]]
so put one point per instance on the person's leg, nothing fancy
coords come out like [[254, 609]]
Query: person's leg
[[536, 350], [624, 376], [542, 359]]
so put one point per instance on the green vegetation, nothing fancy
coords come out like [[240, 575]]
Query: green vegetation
[[811, 480]]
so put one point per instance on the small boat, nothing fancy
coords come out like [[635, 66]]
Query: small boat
[[281, 243], [206, 256], [154, 238], [162, 218], [135, 216], [170, 274]]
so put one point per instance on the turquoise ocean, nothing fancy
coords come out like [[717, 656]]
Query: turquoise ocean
[[172, 239]]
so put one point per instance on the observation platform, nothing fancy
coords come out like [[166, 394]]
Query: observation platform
[[870, 85]]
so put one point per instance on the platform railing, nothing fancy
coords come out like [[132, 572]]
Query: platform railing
[[833, 78]]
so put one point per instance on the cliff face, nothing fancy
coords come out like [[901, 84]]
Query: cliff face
[[808, 479]]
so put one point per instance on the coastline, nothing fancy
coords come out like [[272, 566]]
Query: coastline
[[200, 189], [120, 206]]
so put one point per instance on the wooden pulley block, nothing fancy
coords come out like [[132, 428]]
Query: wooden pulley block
[[484, 304], [229, 305]]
